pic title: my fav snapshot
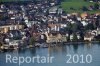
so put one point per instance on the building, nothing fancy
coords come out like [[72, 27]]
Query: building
[[6, 28]]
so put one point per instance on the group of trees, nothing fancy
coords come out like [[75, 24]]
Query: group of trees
[[78, 28], [96, 6], [92, 0]]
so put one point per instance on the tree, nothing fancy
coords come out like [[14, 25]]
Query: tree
[[32, 41], [96, 6], [84, 8], [75, 37], [69, 30]]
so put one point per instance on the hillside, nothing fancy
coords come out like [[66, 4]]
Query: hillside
[[76, 6]]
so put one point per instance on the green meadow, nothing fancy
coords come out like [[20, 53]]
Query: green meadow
[[77, 6]]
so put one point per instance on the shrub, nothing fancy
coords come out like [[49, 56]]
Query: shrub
[[32, 41], [84, 8]]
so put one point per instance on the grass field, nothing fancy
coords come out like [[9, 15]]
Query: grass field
[[72, 0], [77, 6]]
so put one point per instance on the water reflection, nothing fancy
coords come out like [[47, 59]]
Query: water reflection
[[59, 52], [57, 49], [75, 48], [31, 51]]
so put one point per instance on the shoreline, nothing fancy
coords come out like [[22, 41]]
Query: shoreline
[[46, 45]]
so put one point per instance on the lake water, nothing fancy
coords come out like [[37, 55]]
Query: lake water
[[60, 55]]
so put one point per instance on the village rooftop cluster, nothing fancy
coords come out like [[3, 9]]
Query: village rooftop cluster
[[34, 23]]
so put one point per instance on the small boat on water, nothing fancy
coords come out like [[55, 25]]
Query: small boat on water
[[43, 45], [4, 48], [13, 47]]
